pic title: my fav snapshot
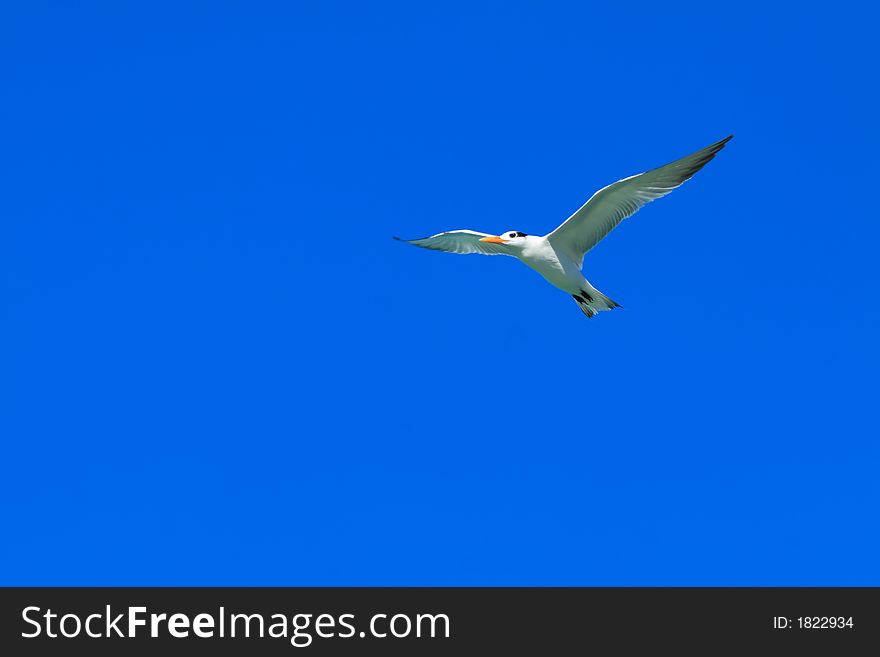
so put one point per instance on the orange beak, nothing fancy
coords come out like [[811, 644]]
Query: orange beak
[[494, 239]]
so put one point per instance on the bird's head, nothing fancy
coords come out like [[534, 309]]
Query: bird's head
[[511, 238]]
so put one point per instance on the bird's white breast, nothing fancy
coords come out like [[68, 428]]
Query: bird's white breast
[[556, 268]]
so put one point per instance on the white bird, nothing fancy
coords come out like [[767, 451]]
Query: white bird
[[559, 255]]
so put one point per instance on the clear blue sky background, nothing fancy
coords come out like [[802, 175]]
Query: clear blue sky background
[[218, 368]]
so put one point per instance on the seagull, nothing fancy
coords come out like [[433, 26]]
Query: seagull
[[559, 255]]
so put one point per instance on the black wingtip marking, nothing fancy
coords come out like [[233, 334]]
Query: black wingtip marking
[[395, 237], [717, 146]]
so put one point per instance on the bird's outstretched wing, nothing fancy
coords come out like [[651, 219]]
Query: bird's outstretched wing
[[460, 241], [614, 203]]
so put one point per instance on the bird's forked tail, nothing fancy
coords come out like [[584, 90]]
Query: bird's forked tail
[[592, 302]]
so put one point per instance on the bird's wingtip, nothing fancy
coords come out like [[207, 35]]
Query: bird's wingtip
[[395, 237], [718, 145]]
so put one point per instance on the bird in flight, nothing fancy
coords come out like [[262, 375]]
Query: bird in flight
[[559, 255]]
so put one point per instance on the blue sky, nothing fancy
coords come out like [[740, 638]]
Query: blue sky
[[218, 368]]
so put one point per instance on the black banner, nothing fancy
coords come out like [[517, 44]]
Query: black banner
[[331, 621]]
